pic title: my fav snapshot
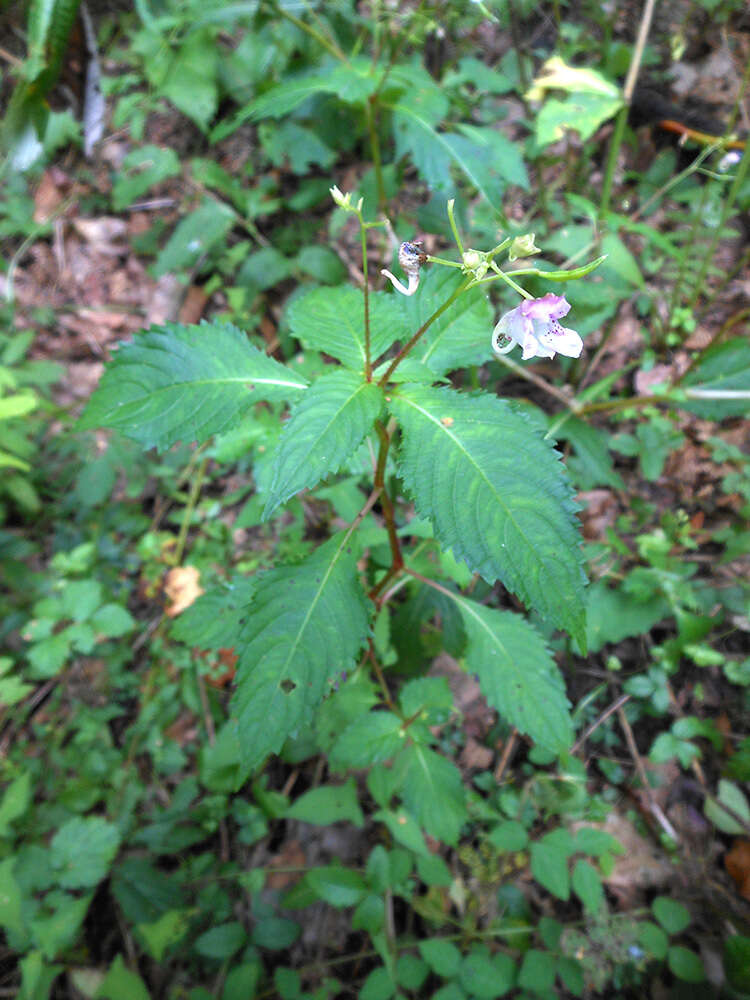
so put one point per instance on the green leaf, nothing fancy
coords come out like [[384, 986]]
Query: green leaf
[[484, 976], [196, 234], [732, 796], [477, 154], [190, 83], [370, 739], [337, 886], [331, 320], [221, 942], [737, 961], [442, 956], [404, 828], [587, 885], [121, 984], [723, 367], [56, 931], [18, 405], [538, 971], [509, 836], [176, 382], [112, 621], [10, 905], [141, 170], [496, 495], [583, 113], [305, 627], [169, 929], [517, 675], [459, 336], [613, 615], [433, 793], [673, 916], [352, 82], [82, 851], [325, 429], [549, 862], [16, 799], [328, 804], [653, 939], [685, 964]]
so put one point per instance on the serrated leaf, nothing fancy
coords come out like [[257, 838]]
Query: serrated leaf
[[325, 429], [459, 336], [368, 740], [305, 627], [517, 675], [496, 495], [332, 320], [186, 383], [433, 793], [434, 153]]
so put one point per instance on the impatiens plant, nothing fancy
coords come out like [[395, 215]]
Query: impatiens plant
[[462, 493]]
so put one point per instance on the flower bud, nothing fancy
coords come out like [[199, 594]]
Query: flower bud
[[523, 246]]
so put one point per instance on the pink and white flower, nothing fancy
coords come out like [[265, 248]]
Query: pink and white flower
[[533, 326]]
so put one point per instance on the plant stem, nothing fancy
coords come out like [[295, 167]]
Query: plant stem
[[195, 488], [320, 38], [366, 292], [375, 149], [622, 117], [421, 331]]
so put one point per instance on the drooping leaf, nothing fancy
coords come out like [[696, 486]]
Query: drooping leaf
[[458, 337], [305, 627], [326, 427], [517, 675], [496, 494], [332, 320], [186, 383], [351, 83], [485, 158]]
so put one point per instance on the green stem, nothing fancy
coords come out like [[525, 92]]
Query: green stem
[[739, 179], [320, 38], [454, 227], [195, 488], [627, 94], [421, 331], [366, 291], [375, 149]]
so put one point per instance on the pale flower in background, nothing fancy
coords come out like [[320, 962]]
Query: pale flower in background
[[533, 326]]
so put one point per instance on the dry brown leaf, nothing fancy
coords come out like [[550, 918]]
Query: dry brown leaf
[[182, 587], [291, 856], [737, 864]]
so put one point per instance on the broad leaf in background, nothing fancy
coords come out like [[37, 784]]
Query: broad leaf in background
[[496, 494], [722, 367], [185, 383], [190, 83], [326, 427], [458, 337], [332, 320], [306, 626], [141, 169], [351, 83], [517, 675], [194, 236], [434, 153], [592, 100]]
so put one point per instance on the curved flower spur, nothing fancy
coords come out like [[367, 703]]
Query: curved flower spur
[[411, 258]]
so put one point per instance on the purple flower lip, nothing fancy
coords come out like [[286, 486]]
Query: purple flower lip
[[533, 326]]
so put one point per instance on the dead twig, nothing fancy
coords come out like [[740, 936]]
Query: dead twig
[[654, 806]]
